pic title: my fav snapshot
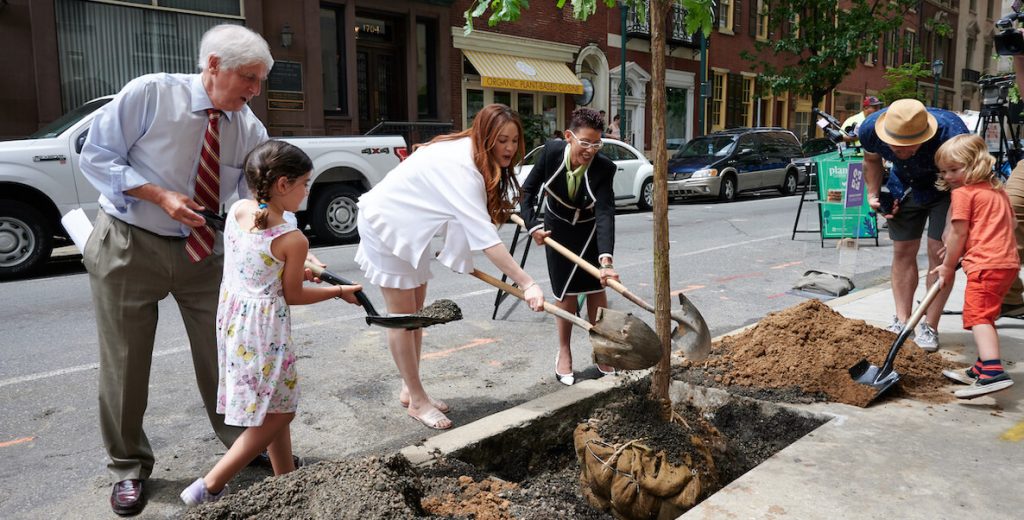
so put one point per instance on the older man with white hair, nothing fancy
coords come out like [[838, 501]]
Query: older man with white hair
[[167, 147]]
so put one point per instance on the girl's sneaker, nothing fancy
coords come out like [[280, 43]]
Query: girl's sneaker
[[196, 494], [985, 386], [965, 376]]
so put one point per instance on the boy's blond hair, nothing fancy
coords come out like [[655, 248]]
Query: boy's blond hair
[[971, 151]]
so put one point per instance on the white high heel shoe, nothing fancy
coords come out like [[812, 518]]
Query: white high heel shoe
[[565, 379]]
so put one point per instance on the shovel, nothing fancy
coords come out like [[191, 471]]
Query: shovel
[[441, 311], [619, 339], [881, 379], [694, 339]]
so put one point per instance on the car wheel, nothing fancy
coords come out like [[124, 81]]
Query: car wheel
[[646, 200], [333, 215], [727, 193], [26, 239], [789, 183]]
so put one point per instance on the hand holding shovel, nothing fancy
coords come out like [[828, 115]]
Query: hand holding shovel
[[694, 339], [620, 340]]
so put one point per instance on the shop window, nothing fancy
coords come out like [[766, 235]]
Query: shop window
[[474, 104], [426, 69], [503, 97], [676, 118], [332, 59], [549, 106]]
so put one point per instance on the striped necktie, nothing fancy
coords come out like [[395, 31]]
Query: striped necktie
[[200, 242]]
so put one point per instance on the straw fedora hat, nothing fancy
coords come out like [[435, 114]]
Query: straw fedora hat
[[906, 123]]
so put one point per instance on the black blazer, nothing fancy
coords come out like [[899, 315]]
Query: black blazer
[[595, 196]]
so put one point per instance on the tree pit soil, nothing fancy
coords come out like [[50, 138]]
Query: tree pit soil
[[803, 353], [543, 484]]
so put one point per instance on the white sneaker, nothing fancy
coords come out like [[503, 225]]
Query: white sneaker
[[896, 326], [985, 386], [926, 338]]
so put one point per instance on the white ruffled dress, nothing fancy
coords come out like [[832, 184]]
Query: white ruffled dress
[[437, 190]]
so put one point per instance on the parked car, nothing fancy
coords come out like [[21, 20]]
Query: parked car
[[725, 163], [40, 181], [634, 176]]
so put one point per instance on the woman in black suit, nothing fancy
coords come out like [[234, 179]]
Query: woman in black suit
[[572, 182]]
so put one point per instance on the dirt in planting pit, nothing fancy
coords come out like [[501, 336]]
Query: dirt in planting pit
[[802, 354]]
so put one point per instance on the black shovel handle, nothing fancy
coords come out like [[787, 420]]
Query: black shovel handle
[[337, 279]]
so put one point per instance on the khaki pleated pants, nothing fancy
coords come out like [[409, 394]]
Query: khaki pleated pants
[[130, 271], [1015, 190]]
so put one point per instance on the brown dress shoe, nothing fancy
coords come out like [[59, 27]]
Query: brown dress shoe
[[126, 498]]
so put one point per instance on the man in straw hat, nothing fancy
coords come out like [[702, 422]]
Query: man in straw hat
[[907, 134]]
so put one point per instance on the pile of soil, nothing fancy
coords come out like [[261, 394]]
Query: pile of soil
[[802, 354], [373, 487]]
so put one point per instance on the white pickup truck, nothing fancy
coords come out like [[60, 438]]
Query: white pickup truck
[[40, 181]]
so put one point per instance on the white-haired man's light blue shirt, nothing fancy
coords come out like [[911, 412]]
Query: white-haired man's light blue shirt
[[152, 133]]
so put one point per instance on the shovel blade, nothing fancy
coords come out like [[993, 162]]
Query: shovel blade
[[871, 375], [624, 341], [695, 339]]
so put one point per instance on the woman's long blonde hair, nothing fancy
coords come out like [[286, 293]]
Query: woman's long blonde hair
[[971, 151], [501, 185]]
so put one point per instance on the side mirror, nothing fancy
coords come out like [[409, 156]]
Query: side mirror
[[80, 141]]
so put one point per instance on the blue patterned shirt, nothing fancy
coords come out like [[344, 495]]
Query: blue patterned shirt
[[919, 171]]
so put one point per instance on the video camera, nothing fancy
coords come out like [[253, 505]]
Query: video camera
[[995, 90], [832, 127], [1009, 40]]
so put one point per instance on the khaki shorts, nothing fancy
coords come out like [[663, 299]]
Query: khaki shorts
[[909, 222]]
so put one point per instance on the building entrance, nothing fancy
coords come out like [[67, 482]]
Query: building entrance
[[380, 71]]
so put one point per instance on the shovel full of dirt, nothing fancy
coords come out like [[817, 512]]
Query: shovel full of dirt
[[619, 339], [884, 377], [439, 312], [691, 333]]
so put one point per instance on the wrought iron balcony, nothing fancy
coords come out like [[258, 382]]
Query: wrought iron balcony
[[970, 75], [676, 27]]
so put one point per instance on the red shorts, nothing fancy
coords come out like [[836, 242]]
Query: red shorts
[[984, 295]]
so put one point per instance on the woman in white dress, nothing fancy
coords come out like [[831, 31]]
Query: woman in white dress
[[460, 185]]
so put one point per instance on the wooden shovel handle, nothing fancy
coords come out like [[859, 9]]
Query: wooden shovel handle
[[589, 268], [518, 293]]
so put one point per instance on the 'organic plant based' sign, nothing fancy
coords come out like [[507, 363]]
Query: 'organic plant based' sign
[[845, 212]]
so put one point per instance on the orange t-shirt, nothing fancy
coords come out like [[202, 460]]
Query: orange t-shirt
[[990, 224]]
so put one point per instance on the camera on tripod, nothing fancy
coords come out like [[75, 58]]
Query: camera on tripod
[[995, 90], [1009, 40]]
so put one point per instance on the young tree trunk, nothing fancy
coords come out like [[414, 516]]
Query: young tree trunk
[[659, 10]]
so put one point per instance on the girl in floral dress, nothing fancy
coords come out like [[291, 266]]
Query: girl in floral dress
[[263, 275]]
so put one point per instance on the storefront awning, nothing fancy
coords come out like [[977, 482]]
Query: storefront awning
[[516, 73]]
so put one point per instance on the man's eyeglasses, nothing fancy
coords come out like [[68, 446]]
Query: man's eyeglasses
[[587, 145]]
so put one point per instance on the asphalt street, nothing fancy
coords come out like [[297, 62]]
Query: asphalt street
[[735, 261]]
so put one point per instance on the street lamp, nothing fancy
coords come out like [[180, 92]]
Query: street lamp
[[936, 72]]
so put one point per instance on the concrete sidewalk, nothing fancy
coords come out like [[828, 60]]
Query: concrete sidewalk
[[899, 458]]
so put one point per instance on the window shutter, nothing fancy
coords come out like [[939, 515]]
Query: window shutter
[[752, 29], [734, 102]]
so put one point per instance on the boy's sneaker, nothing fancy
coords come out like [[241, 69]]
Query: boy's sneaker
[[926, 338], [196, 494], [965, 376], [985, 386], [896, 326]]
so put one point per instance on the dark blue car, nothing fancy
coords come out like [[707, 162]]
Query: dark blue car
[[726, 163]]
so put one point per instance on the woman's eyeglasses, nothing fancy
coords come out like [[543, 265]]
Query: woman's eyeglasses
[[587, 145]]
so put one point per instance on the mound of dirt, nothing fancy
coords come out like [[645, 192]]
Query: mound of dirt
[[802, 353], [372, 487]]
